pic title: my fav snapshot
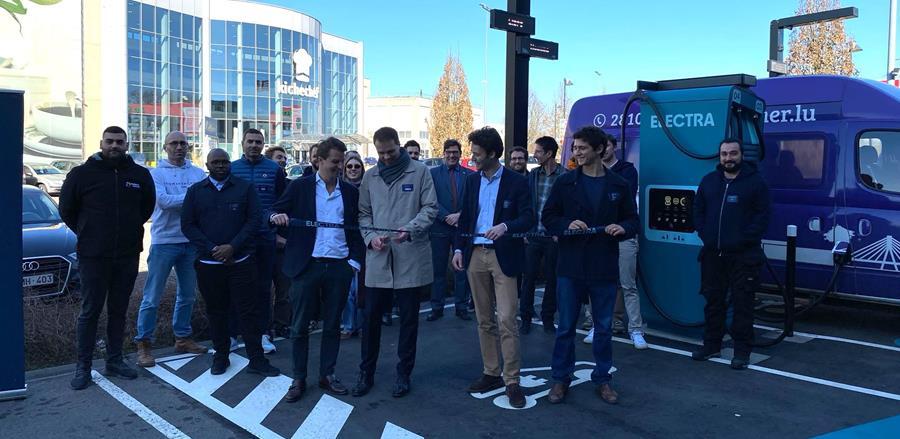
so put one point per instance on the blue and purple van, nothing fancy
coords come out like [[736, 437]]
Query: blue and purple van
[[833, 166]]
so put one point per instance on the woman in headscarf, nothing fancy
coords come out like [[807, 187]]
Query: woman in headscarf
[[350, 319]]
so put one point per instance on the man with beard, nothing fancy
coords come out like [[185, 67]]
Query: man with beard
[[269, 181], [731, 213], [106, 202]]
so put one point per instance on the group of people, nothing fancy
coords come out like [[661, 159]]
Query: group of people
[[344, 246]]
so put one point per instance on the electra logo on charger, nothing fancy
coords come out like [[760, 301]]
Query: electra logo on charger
[[685, 120]]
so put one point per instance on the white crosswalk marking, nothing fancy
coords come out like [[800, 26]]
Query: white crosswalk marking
[[263, 398], [392, 431], [325, 420], [209, 383]]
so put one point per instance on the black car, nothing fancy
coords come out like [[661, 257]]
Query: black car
[[49, 262]]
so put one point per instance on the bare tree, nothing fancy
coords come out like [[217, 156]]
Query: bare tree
[[540, 118]]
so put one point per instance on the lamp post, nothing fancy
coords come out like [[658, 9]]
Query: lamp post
[[600, 79], [484, 81], [566, 84], [892, 40], [776, 66]]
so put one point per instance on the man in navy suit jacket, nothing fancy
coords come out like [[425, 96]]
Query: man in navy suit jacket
[[496, 202], [320, 261], [449, 184]]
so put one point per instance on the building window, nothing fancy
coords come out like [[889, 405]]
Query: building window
[[796, 162], [878, 160]]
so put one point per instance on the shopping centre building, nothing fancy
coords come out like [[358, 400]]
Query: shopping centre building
[[215, 68]]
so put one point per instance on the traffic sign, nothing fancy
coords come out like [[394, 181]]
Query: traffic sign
[[510, 22], [536, 48]]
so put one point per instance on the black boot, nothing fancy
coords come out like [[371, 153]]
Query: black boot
[[364, 383], [82, 378]]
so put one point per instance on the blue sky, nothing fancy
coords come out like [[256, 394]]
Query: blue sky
[[406, 41]]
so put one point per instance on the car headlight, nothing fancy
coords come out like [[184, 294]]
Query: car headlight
[[73, 256]]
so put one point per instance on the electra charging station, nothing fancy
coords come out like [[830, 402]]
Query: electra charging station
[[12, 343], [682, 124]]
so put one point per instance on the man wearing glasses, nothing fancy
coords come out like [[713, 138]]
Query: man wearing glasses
[[169, 248], [106, 201], [449, 180]]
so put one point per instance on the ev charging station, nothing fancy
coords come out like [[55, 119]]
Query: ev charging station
[[12, 344], [682, 124]]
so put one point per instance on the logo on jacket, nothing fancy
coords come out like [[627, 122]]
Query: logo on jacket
[[132, 185], [407, 188], [613, 196], [732, 199]]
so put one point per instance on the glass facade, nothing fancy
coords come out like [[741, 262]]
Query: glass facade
[[249, 62], [164, 85], [280, 81], [340, 97]]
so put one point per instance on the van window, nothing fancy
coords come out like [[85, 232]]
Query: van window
[[878, 160], [796, 162]]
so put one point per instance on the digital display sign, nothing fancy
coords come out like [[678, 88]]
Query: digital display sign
[[516, 23], [671, 210], [536, 48]]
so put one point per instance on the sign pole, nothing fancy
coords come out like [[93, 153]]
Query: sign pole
[[516, 85]]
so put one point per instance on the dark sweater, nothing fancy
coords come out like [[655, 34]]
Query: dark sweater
[[732, 216], [106, 204], [210, 217]]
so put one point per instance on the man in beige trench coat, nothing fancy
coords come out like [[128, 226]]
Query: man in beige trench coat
[[398, 194]]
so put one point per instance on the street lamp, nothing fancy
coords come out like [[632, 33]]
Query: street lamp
[[600, 79], [566, 83], [776, 66], [484, 81]]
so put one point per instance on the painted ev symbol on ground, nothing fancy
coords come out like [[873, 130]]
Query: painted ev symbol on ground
[[528, 381]]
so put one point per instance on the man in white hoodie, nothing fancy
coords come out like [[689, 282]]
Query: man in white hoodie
[[170, 248]]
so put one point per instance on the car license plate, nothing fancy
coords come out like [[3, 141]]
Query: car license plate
[[41, 279]]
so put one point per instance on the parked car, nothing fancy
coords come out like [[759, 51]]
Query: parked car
[[64, 165], [296, 171], [49, 262], [49, 179], [433, 162], [371, 161], [28, 177]]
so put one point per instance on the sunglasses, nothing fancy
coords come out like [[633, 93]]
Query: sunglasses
[[354, 166]]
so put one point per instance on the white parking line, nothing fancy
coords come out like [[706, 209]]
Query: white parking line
[[325, 420], [839, 339], [392, 431], [168, 430]]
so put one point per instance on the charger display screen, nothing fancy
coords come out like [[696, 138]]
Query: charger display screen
[[671, 210]]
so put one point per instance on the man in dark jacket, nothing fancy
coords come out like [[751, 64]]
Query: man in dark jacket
[[106, 201], [731, 213], [221, 216], [546, 249], [449, 184], [496, 202], [589, 197], [320, 261], [269, 181]]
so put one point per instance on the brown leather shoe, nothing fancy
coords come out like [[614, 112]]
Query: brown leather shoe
[[485, 384], [333, 385], [558, 393], [295, 392], [188, 346], [607, 394], [515, 395], [144, 356]]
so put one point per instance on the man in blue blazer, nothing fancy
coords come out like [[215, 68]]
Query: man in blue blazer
[[496, 202], [449, 184], [320, 261]]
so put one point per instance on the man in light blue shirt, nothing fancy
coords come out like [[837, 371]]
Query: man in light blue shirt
[[170, 248]]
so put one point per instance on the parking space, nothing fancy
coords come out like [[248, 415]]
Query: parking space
[[808, 387]]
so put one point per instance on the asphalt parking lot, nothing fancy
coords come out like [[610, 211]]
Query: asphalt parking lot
[[836, 378]]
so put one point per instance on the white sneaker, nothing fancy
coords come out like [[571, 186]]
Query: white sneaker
[[590, 337], [235, 344], [267, 345], [637, 337]]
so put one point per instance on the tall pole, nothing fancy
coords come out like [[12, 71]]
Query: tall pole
[[892, 38], [516, 84], [484, 81], [565, 86]]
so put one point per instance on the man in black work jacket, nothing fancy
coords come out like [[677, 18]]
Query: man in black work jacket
[[106, 202], [588, 265], [321, 262], [731, 214], [221, 216]]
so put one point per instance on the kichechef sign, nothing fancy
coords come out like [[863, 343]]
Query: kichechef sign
[[302, 62]]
